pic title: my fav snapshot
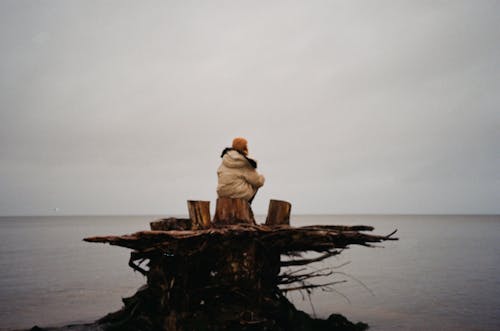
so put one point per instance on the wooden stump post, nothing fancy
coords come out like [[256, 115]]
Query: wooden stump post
[[233, 211], [199, 213], [278, 213]]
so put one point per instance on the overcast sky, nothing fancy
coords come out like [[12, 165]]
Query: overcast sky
[[123, 107]]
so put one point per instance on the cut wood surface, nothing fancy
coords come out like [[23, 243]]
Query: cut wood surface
[[233, 211], [278, 213], [199, 213]]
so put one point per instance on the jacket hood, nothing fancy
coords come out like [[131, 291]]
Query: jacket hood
[[234, 159]]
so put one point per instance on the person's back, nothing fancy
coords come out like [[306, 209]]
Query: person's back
[[237, 174]]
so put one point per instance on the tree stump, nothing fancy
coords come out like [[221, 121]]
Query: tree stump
[[230, 276], [278, 213], [199, 213], [233, 211]]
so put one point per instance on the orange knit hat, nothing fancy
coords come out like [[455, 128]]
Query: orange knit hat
[[240, 144]]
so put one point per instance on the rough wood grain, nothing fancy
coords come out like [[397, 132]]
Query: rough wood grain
[[171, 223], [199, 213], [278, 213], [233, 211]]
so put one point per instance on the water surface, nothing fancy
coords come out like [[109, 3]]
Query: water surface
[[441, 275]]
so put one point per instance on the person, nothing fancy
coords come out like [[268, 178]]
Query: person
[[237, 174]]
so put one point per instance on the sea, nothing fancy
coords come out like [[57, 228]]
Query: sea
[[442, 274]]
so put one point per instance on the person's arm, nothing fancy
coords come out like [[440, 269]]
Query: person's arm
[[254, 178]]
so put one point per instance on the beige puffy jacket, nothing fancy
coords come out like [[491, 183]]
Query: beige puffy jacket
[[237, 177]]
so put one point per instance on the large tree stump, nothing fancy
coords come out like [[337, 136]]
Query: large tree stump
[[278, 213], [199, 213], [233, 211], [230, 278]]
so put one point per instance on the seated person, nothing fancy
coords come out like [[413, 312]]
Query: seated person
[[237, 174]]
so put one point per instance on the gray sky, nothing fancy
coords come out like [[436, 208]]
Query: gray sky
[[349, 106]]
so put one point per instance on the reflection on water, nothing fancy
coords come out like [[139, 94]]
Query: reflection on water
[[442, 274]]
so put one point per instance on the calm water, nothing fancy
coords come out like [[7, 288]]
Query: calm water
[[441, 275]]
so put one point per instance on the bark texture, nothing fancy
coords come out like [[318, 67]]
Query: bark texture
[[232, 211], [199, 213], [278, 213]]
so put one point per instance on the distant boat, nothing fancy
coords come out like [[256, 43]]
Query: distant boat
[[56, 209]]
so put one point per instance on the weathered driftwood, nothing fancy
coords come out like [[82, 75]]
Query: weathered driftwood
[[233, 211], [229, 276], [319, 238], [171, 223], [278, 213], [199, 213]]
